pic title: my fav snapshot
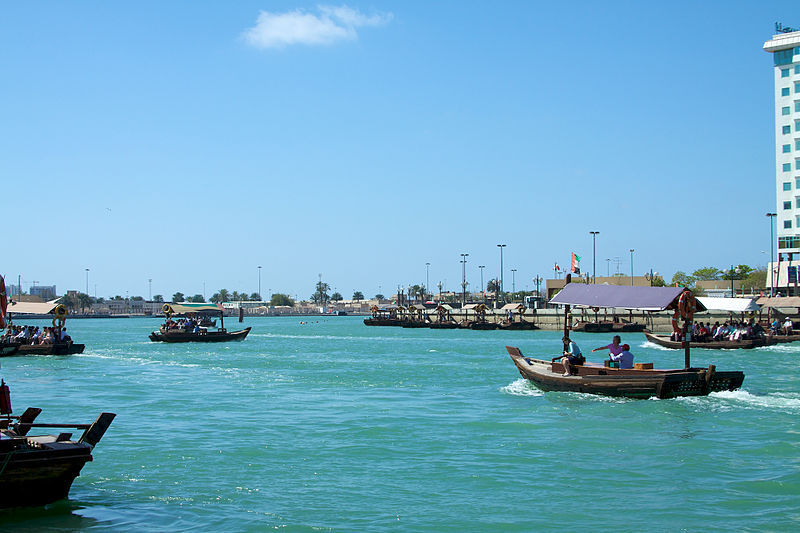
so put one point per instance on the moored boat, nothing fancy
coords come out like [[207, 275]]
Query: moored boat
[[39, 469], [642, 381]]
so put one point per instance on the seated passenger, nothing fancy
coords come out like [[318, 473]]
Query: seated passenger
[[624, 358], [572, 355]]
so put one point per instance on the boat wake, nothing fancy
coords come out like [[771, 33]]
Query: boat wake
[[740, 399], [653, 346], [521, 387]]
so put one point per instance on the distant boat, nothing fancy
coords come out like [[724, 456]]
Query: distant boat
[[167, 333], [57, 347], [642, 381]]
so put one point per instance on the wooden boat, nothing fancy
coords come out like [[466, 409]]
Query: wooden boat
[[8, 348], [642, 382], [517, 325], [385, 317], [482, 325], [204, 335], [39, 469], [666, 342], [443, 325], [59, 313]]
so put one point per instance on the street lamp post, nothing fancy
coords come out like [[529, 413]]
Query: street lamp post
[[733, 273], [513, 281], [259, 284], [483, 289], [497, 300], [427, 277], [771, 217], [594, 265], [608, 267], [632, 267], [464, 279], [150, 288], [87, 282]]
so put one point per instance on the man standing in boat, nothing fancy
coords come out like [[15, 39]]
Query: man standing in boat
[[615, 348], [572, 355]]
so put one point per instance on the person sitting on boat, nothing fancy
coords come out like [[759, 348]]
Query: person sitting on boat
[[624, 358], [615, 348], [758, 330], [775, 326], [788, 326], [572, 355]]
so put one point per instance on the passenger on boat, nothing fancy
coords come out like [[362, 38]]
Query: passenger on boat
[[572, 355], [788, 326], [624, 358], [775, 327], [615, 348]]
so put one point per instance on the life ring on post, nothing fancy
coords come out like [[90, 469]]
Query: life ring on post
[[687, 305], [167, 310], [61, 311]]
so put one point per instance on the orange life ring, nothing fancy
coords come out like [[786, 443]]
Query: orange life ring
[[687, 305]]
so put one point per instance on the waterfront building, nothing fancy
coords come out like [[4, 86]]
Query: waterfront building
[[785, 49], [45, 292]]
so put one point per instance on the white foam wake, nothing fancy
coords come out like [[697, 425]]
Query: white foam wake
[[521, 387]]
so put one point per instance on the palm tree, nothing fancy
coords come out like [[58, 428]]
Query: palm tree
[[235, 296]]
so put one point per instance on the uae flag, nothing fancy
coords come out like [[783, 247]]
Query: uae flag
[[575, 266]]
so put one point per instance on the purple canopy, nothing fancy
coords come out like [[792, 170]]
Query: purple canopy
[[641, 298]]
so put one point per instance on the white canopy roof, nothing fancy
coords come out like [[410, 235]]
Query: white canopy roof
[[33, 308], [733, 305]]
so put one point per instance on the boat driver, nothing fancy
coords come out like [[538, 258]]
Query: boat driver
[[572, 355], [615, 348]]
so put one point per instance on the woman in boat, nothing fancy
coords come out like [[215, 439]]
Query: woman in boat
[[572, 355], [624, 358], [615, 348]]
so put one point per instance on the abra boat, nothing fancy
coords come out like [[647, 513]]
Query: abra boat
[[39, 469], [667, 342], [642, 381], [385, 317], [168, 334], [59, 314]]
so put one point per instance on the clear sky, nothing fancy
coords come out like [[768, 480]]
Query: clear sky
[[190, 142]]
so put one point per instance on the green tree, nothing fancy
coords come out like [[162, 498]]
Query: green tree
[[137, 299], [279, 299], [358, 295], [658, 281], [84, 300], [221, 296], [235, 296], [493, 285], [739, 272], [255, 297], [683, 279], [320, 295], [706, 274], [176, 298], [755, 280], [380, 296], [158, 298], [336, 297], [197, 298]]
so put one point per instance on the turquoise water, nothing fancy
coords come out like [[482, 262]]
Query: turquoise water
[[336, 426]]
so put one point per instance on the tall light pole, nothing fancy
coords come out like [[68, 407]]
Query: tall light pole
[[427, 277], [537, 280], [150, 288], [464, 279], [733, 272], [259, 283], [87, 282], [632, 267], [483, 289], [771, 255], [594, 265], [608, 267], [497, 300], [513, 281]]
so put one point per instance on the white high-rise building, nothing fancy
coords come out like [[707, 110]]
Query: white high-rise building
[[785, 48]]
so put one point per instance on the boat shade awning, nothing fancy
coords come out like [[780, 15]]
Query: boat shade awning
[[512, 307], [33, 308], [444, 306], [191, 307], [733, 305], [634, 298], [765, 301]]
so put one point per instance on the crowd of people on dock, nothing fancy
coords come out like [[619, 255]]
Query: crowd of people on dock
[[34, 335]]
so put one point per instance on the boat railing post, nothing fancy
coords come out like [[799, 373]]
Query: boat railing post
[[687, 337]]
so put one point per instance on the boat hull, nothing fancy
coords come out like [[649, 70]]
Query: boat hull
[[596, 379], [210, 336], [49, 349], [37, 477], [664, 340]]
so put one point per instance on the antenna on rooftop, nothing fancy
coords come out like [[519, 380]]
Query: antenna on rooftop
[[780, 28]]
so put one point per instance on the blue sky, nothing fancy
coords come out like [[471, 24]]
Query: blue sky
[[189, 142]]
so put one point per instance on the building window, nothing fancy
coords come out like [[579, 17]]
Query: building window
[[787, 167], [797, 186], [797, 106], [785, 91], [787, 148], [787, 205], [786, 129], [797, 125], [787, 185], [797, 86], [784, 71], [797, 164], [797, 221], [785, 110], [797, 144], [788, 242], [787, 224], [797, 202]]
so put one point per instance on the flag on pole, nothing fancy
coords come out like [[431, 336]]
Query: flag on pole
[[575, 266], [556, 268]]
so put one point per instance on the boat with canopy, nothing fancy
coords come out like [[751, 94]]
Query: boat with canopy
[[642, 381], [60, 346], [171, 332]]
